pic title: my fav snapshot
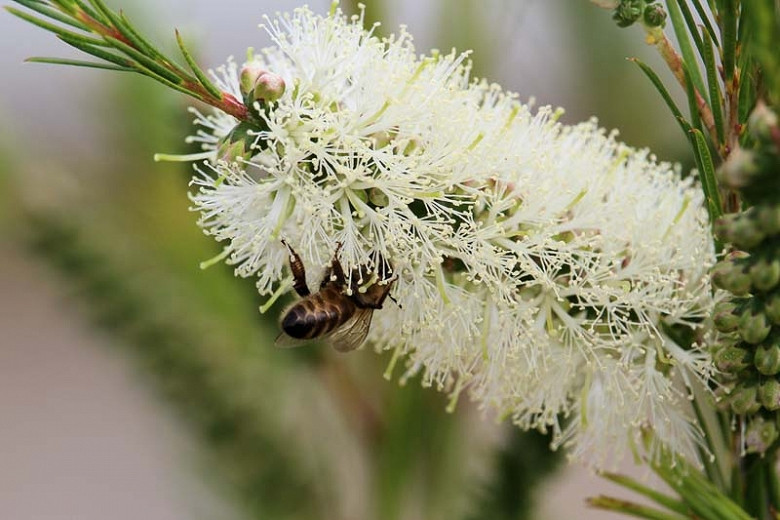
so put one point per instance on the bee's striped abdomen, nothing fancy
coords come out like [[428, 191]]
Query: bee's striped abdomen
[[318, 314]]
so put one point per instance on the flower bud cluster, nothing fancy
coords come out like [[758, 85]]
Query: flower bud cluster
[[749, 356], [628, 12]]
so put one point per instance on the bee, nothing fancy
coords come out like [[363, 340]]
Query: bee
[[338, 313]]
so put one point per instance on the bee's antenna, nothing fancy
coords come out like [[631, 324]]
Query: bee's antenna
[[394, 301]]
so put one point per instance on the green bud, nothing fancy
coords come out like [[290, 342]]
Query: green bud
[[768, 217], [249, 74], [746, 231], [767, 358], [655, 16], [731, 274], [237, 145], [378, 197], [744, 398], [772, 307], [753, 325], [760, 435], [769, 394], [761, 122], [765, 274], [725, 317], [269, 87], [733, 359], [724, 226], [628, 12], [739, 170]]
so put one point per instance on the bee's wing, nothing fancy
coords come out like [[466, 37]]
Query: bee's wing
[[352, 334], [285, 341]]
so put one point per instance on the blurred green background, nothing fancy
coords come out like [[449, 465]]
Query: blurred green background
[[135, 385]]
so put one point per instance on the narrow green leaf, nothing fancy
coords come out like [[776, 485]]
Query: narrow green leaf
[[631, 509], [78, 63], [202, 78], [144, 60], [690, 22], [689, 57], [175, 86], [693, 106], [99, 52], [729, 32], [42, 8], [91, 12], [56, 29], [747, 94], [707, 173], [136, 36], [659, 85], [704, 15], [662, 499], [714, 88]]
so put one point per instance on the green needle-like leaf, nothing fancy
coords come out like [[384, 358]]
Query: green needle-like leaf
[[204, 80], [78, 63], [693, 107], [707, 173], [690, 22], [747, 93], [98, 52], [704, 15], [56, 29], [143, 43], [714, 89], [85, 7], [145, 61], [659, 85], [51, 13], [662, 499], [689, 57], [729, 37], [632, 509]]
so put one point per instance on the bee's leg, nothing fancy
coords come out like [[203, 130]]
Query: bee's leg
[[298, 272], [336, 269]]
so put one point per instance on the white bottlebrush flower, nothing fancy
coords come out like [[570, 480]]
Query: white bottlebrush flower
[[540, 267]]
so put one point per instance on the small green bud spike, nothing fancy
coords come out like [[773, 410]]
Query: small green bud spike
[[725, 317], [768, 217], [760, 435], [744, 398], [765, 274], [732, 275], [772, 307], [655, 16], [733, 359], [769, 394], [767, 357], [753, 325]]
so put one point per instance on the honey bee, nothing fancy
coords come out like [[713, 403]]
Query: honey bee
[[335, 314]]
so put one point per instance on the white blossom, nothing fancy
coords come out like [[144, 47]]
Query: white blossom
[[540, 266]]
